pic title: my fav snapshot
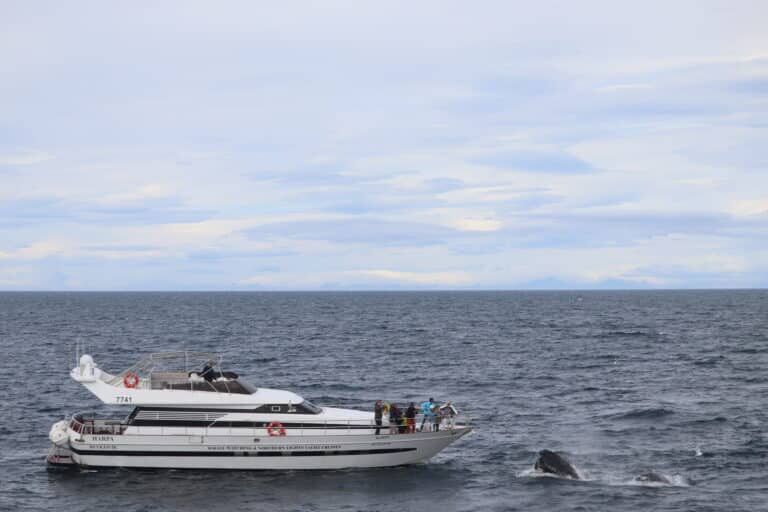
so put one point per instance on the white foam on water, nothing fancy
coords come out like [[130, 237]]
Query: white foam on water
[[674, 481], [535, 473], [609, 479]]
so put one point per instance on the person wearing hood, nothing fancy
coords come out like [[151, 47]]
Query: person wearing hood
[[394, 418], [208, 372], [449, 412], [410, 418]]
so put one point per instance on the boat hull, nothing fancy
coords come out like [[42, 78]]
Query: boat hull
[[241, 452]]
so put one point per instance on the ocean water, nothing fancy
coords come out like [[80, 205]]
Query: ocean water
[[620, 382]]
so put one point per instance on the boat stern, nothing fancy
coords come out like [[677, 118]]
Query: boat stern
[[59, 454]]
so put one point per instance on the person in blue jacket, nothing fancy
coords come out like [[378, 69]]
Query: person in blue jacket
[[426, 410]]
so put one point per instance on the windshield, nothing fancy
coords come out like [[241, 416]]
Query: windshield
[[247, 387], [312, 408]]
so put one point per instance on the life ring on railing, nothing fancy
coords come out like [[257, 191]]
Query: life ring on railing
[[131, 380], [275, 428]]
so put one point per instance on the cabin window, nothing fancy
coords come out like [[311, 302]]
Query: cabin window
[[232, 386], [304, 407]]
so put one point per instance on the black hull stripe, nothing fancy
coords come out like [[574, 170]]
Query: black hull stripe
[[329, 453]]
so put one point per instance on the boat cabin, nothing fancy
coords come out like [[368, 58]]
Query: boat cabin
[[179, 378]]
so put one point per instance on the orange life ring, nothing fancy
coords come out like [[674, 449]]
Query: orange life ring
[[131, 380], [275, 428]]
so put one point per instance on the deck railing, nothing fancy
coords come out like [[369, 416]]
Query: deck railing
[[165, 362], [95, 426]]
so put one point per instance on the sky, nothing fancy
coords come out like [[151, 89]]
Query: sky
[[383, 145]]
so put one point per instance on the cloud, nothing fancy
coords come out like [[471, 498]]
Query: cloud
[[481, 224], [151, 191], [222, 148], [282, 279], [541, 161], [35, 251], [24, 158], [420, 278], [757, 86], [750, 207], [628, 229], [276, 278], [116, 209], [612, 88], [358, 230]]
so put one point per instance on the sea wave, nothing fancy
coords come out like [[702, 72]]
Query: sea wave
[[651, 413]]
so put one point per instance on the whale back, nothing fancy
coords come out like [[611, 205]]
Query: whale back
[[556, 464], [653, 477]]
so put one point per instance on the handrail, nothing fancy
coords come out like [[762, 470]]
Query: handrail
[[100, 426], [150, 361]]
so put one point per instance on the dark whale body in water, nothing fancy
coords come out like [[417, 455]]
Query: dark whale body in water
[[652, 477], [555, 464]]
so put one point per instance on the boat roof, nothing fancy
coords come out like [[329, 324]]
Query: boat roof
[[169, 378]]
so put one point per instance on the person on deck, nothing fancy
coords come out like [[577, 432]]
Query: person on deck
[[437, 417], [394, 418], [410, 418], [426, 410], [448, 412], [208, 372], [377, 409]]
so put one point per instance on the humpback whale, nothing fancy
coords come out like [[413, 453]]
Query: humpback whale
[[555, 464], [653, 477]]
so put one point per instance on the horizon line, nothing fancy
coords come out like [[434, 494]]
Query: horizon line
[[404, 290]]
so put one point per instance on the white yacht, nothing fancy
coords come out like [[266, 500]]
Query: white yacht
[[210, 418]]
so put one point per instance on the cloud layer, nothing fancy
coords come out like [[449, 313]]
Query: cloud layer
[[349, 146]]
